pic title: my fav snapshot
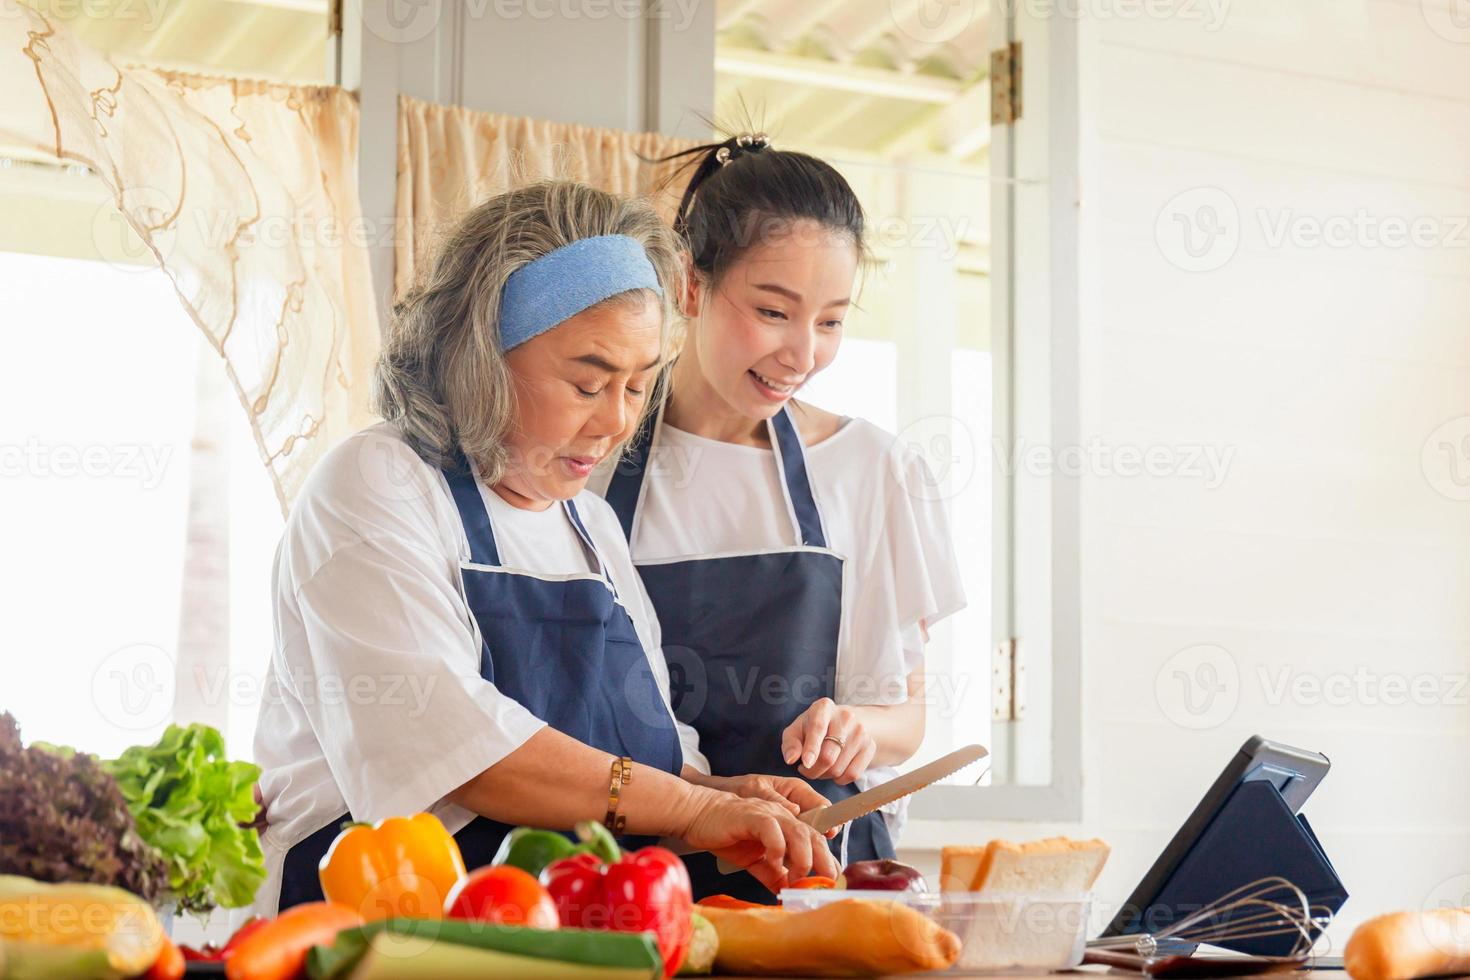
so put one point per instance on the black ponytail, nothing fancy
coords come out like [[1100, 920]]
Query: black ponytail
[[740, 189]]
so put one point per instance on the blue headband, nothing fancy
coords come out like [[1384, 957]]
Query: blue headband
[[568, 280]]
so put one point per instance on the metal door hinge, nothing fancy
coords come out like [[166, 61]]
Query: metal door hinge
[[1008, 682], [334, 17], [1005, 84]]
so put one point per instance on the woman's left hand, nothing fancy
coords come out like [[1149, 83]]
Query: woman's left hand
[[830, 741], [790, 792]]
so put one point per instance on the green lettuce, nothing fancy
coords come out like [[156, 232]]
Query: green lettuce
[[194, 806]]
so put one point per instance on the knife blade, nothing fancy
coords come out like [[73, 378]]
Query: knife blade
[[823, 819]]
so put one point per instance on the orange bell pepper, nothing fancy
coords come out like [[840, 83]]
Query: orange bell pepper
[[401, 866]]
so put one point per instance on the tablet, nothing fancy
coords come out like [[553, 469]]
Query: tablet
[[1294, 772]]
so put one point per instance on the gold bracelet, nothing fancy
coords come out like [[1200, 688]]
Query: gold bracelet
[[622, 772]]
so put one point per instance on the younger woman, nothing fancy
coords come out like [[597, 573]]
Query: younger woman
[[792, 556]]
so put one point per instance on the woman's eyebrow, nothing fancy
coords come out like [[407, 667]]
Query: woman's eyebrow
[[794, 296], [602, 364]]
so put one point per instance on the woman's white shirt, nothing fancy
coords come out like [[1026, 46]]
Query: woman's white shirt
[[375, 703], [704, 498]]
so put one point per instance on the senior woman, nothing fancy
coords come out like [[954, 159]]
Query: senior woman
[[459, 627]]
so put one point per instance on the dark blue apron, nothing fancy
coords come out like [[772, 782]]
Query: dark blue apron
[[564, 647], [751, 642]]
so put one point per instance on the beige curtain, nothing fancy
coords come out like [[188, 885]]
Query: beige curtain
[[246, 192], [450, 158]]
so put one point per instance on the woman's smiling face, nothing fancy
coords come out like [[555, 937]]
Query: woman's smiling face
[[579, 389], [774, 319]]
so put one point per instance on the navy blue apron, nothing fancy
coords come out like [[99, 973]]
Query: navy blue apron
[[751, 641], [564, 647]]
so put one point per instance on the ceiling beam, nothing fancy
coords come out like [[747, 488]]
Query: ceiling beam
[[959, 129], [838, 117], [838, 77], [311, 47], [734, 12], [164, 30], [303, 6], [232, 39]]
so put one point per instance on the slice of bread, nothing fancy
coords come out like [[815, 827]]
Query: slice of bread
[[1057, 864], [959, 865]]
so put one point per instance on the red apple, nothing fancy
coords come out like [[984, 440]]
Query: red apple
[[884, 875]]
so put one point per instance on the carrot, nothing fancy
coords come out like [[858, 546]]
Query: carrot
[[813, 881], [169, 965], [730, 902], [277, 950]]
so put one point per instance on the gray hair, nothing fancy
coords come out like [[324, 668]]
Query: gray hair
[[442, 377]]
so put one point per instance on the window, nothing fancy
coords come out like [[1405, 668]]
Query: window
[[139, 522], [975, 309], [916, 356]]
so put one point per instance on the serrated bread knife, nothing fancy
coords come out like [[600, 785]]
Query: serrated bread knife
[[824, 818]]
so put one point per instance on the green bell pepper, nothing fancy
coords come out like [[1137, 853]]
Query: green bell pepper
[[532, 849]]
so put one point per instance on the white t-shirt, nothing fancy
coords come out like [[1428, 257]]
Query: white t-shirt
[[704, 497], [375, 703]]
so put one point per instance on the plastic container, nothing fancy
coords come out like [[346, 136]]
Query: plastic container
[[998, 931]]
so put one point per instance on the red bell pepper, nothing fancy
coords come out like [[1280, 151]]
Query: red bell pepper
[[645, 891]]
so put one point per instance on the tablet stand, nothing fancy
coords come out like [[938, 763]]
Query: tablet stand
[[1253, 836]]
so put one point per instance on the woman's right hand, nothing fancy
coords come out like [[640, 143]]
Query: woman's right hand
[[761, 836]]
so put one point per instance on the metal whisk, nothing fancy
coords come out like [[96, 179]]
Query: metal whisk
[[1266, 907]]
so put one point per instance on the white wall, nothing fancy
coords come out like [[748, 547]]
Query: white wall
[[1338, 543]]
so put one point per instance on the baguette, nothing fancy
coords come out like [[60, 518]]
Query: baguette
[[847, 938], [1405, 945]]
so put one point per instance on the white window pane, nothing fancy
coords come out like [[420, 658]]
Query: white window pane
[[98, 375], [862, 382]]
